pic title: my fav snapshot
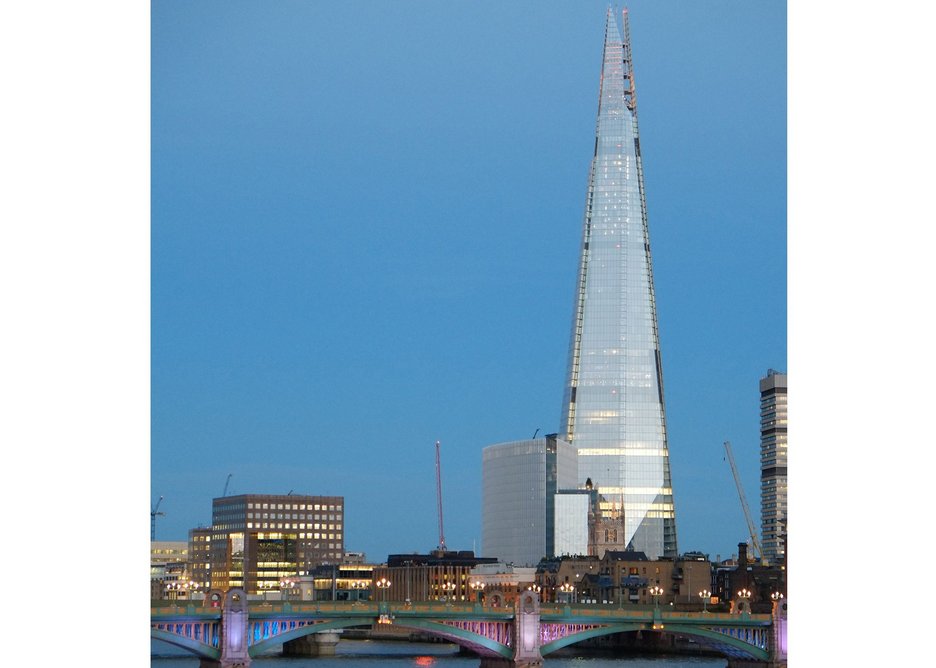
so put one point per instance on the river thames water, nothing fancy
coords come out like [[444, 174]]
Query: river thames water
[[376, 654]]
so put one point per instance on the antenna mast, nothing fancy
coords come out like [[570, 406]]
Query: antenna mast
[[439, 497]]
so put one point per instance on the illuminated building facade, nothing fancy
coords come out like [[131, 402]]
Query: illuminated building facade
[[199, 562], [613, 412], [773, 450], [437, 576], [257, 540]]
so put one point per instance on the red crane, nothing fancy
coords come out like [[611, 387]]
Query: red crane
[[439, 498]]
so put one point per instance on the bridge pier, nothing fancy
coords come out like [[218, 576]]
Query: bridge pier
[[234, 630], [526, 636], [777, 645], [322, 643]]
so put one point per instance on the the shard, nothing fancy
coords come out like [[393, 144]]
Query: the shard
[[613, 411]]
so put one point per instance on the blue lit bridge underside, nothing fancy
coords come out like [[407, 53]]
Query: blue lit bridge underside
[[489, 632]]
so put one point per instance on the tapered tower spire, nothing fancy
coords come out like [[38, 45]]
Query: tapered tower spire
[[613, 411]]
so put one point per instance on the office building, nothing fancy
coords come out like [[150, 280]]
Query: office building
[[199, 562], [613, 413], [520, 480], [773, 450], [258, 540], [442, 575]]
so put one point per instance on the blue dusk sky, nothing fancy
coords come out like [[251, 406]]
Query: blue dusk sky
[[299, 242], [366, 220]]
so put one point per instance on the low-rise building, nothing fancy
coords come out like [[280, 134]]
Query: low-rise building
[[436, 576], [623, 578]]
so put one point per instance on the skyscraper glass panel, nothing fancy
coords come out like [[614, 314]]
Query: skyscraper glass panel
[[519, 484], [613, 410]]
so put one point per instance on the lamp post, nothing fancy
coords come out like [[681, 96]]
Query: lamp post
[[568, 590], [656, 591], [535, 588], [745, 596], [447, 588], [383, 584], [358, 586], [477, 587], [776, 596], [705, 594], [177, 588]]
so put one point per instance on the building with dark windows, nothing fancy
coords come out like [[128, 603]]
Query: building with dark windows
[[773, 452], [259, 540], [612, 411]]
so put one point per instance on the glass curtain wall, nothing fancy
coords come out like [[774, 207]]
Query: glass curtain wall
[[613, 411]]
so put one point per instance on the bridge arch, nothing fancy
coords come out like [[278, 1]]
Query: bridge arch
[[196, 647], [476, 642], [259, 647], [724, 644]]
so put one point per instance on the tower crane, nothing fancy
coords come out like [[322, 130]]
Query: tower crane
[[439, 496], [226, 483], [744, 506], [153, 513]]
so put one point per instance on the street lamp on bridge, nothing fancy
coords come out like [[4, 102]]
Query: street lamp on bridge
[[705, 595], [383, 584], [447, 588], [569, 591], [656, 592], [285, 587], [744, 605], [358, 585], [477, 587]]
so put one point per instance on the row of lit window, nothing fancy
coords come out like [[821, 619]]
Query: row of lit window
[[302, 536], [294, 506], [298, 527], [293, 516]]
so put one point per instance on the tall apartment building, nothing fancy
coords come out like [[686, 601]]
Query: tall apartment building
[[257, 540], [773, 451], [612, 410]]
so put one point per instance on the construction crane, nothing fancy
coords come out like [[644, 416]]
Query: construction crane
[[153, 513], [226, 483], [744, 506], [439, 497]]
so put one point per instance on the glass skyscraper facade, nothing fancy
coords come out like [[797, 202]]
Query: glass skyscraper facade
[[613, 413]]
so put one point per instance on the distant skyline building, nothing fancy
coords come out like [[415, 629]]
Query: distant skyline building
[[257, 540], [519, 481], [612, 411], [773, 455]]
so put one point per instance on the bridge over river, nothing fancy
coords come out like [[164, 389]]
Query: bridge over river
[[227, 631]]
